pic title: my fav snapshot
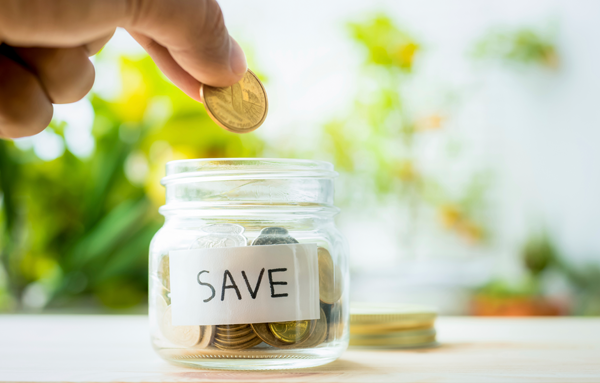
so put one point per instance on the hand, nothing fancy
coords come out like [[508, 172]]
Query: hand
[[46, 44]]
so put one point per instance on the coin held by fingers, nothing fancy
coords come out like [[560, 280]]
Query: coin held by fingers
[[240, 108]]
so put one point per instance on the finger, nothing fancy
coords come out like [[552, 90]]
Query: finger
[[163, 59], [195, 35], [193, 31], [66, 74], [95, 46], [60, 23], [25, 109]]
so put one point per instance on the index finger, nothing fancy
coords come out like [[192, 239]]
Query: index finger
[[193, 31]]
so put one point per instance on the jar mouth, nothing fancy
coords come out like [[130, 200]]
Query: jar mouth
[[204, 169]]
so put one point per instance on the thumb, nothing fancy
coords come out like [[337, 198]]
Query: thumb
[[194, 34]]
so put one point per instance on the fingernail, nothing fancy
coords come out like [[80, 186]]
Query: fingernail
[[237, 58]]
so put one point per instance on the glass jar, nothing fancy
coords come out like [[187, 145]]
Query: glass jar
[[249, 270]]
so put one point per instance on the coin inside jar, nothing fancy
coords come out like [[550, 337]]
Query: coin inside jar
[[234, 333], [273, 236], [319, 334], [291, 332], [235, 337], [330, 278], [220, 235], [265, 333], [164, 272], [208, 335], [187, 336], [240, 108]]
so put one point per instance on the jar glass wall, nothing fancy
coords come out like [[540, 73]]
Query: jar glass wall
[[251, 214]]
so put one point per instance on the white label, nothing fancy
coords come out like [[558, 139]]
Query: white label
[[253, 284]]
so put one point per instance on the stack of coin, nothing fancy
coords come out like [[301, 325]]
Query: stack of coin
[[392, 325], [235, 337]]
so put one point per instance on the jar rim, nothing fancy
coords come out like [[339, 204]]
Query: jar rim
[[224, 168]]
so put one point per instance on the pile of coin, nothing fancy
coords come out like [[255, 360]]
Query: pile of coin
[[282, 335], [235, 337], [388, 325]]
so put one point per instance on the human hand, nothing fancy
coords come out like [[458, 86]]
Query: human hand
[[46, 44]]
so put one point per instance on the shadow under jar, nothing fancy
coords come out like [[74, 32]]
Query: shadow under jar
[[249, 270]]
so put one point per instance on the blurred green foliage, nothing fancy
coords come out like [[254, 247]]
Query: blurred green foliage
[[518, 46], [379, 144], [75, 231], [386, 45]]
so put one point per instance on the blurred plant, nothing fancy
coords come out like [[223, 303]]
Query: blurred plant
[[538, 253], [379, 146], [76, 228], [539, 256], [585, 281], [525, 298], [520, 46]]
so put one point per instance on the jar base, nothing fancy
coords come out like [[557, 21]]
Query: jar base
[[250, 362]]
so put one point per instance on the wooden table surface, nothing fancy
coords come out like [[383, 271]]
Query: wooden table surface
[[116, 348]]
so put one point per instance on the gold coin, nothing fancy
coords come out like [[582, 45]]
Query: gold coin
[[164, 272], [233, 327], [335, 323], [187, 336], [264, 332], [240, 108], [335, 331], [319, 334], [235, 341], [254, 342], [234, 334], [241, 337], [330, 278], [290, 332], [208, 335], [365, 316], [418, 338], [385, 328]]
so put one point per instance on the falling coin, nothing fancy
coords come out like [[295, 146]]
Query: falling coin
[[330, 279], [187, 336], [240, 108]]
